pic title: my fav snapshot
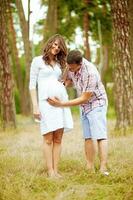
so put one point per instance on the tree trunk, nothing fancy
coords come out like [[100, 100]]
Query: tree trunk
[[86, 29], [28, 56], [6, 82], [105, 63], [51, 23], [123, 79], [130, 15], [15, 59]]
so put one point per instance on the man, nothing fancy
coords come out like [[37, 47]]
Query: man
[[93, 101]]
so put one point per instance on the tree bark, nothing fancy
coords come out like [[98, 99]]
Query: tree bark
[[6, 82], [86, 29], [105, 63], [51, 23], [130, 15], [15, 59], [123, 79]]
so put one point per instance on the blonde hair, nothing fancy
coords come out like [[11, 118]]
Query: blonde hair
[[61, 56]]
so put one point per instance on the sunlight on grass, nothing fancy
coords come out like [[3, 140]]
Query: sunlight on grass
[[23, 172]]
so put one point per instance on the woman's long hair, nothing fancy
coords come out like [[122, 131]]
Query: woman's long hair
[[61, 56]]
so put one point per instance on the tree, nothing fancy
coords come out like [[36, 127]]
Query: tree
[[101, 32], [60, 18], [28, 56], [51, 22], [130, 15], [6, 82], [17, 71], [86, 22], [123, 77]]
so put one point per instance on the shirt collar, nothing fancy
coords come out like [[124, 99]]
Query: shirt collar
[[79, 72]]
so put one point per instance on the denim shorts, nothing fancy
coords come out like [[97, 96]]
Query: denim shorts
[[95, 123]]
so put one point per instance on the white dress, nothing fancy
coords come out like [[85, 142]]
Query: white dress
[[45, 78]]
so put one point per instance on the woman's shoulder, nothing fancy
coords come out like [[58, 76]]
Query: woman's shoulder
[[58, 64], [38, 58]]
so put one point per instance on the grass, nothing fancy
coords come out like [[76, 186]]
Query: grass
[[23, 172]]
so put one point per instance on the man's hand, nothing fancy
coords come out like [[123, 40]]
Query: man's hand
[[54, 102]]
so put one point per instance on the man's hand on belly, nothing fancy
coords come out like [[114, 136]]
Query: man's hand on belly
[[54, 102]]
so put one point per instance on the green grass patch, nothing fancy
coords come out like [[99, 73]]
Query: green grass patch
[[111, 112], [75, 110], [23, 172]]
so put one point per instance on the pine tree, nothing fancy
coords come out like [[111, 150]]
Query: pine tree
[[123, 78], [6, 83]]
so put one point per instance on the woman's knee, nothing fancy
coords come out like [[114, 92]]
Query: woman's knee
[[57, 136], [57, 140], [48, 141]]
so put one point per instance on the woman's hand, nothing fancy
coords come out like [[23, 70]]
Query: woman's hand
[[36, 112], [54, 102], [68, 83]]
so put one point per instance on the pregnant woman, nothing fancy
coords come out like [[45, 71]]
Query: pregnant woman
[[45, 73]]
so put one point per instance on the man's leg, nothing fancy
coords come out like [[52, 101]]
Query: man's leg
[[90, 153], [98, 126], [103, 151]]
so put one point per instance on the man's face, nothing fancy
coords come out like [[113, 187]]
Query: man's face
[[74, 67]]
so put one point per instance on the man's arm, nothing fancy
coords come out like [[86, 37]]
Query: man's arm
[[77, 101]]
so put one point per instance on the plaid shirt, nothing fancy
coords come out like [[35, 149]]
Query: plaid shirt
[[87, 79]]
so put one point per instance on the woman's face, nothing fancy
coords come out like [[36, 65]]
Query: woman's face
[[55, 49]]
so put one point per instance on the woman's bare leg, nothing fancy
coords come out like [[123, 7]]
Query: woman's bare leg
[[48, 152], [57, 139]]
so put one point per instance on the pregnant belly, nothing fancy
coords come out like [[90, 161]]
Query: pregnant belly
[[56, 90], [52, 88]]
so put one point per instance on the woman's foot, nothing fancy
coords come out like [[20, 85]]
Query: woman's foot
[[58, 175], [90, 168], [51, 174]]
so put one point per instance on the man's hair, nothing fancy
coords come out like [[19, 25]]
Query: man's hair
[[74, 57]]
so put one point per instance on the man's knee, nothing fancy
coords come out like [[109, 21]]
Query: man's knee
[[88, 140]]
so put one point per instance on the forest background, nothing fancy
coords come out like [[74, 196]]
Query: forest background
[[107, 23], [103, 31]]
